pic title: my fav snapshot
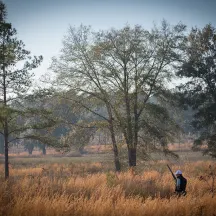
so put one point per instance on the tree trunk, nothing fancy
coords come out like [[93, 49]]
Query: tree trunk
[[132, 157], [115, 148], [6, 150], [81, 150], [6, 133], [1, 144], [30, 148], [44, 149], [136, 121]]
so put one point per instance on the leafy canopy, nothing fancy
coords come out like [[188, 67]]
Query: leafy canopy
[[200, 89]]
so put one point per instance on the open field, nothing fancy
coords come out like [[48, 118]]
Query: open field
[[46, 185]]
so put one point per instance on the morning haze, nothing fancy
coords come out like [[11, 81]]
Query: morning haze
[[103, 131]]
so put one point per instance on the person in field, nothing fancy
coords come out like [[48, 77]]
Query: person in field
[[181, 183]]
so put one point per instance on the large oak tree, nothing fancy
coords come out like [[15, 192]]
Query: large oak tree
[[124, 69]]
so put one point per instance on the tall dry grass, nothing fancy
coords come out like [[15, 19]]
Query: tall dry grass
[[84, 189]]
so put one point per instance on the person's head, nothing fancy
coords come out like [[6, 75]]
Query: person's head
[[178, 173]]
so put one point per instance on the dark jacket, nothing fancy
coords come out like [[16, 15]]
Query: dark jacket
[[181, 184]]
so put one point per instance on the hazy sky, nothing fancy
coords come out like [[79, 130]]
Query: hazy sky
[[41, 24]]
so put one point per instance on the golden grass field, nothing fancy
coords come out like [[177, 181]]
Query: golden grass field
[[88, 186]]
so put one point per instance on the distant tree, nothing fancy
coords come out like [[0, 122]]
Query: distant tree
[[78, 137], [38, 121], [77, 125], [199, 91], [43, 148], [29, 146]]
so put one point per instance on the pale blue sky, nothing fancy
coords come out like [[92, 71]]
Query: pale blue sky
[[41, 24]]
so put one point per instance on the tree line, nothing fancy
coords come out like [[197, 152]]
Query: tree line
[[116, 80]]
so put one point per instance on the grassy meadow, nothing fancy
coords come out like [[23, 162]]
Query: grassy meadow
[[87, 186]]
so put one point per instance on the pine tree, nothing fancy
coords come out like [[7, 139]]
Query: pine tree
[[14, 82], [200, 91]]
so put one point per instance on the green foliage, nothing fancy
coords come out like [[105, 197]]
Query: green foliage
[[200, 91]]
